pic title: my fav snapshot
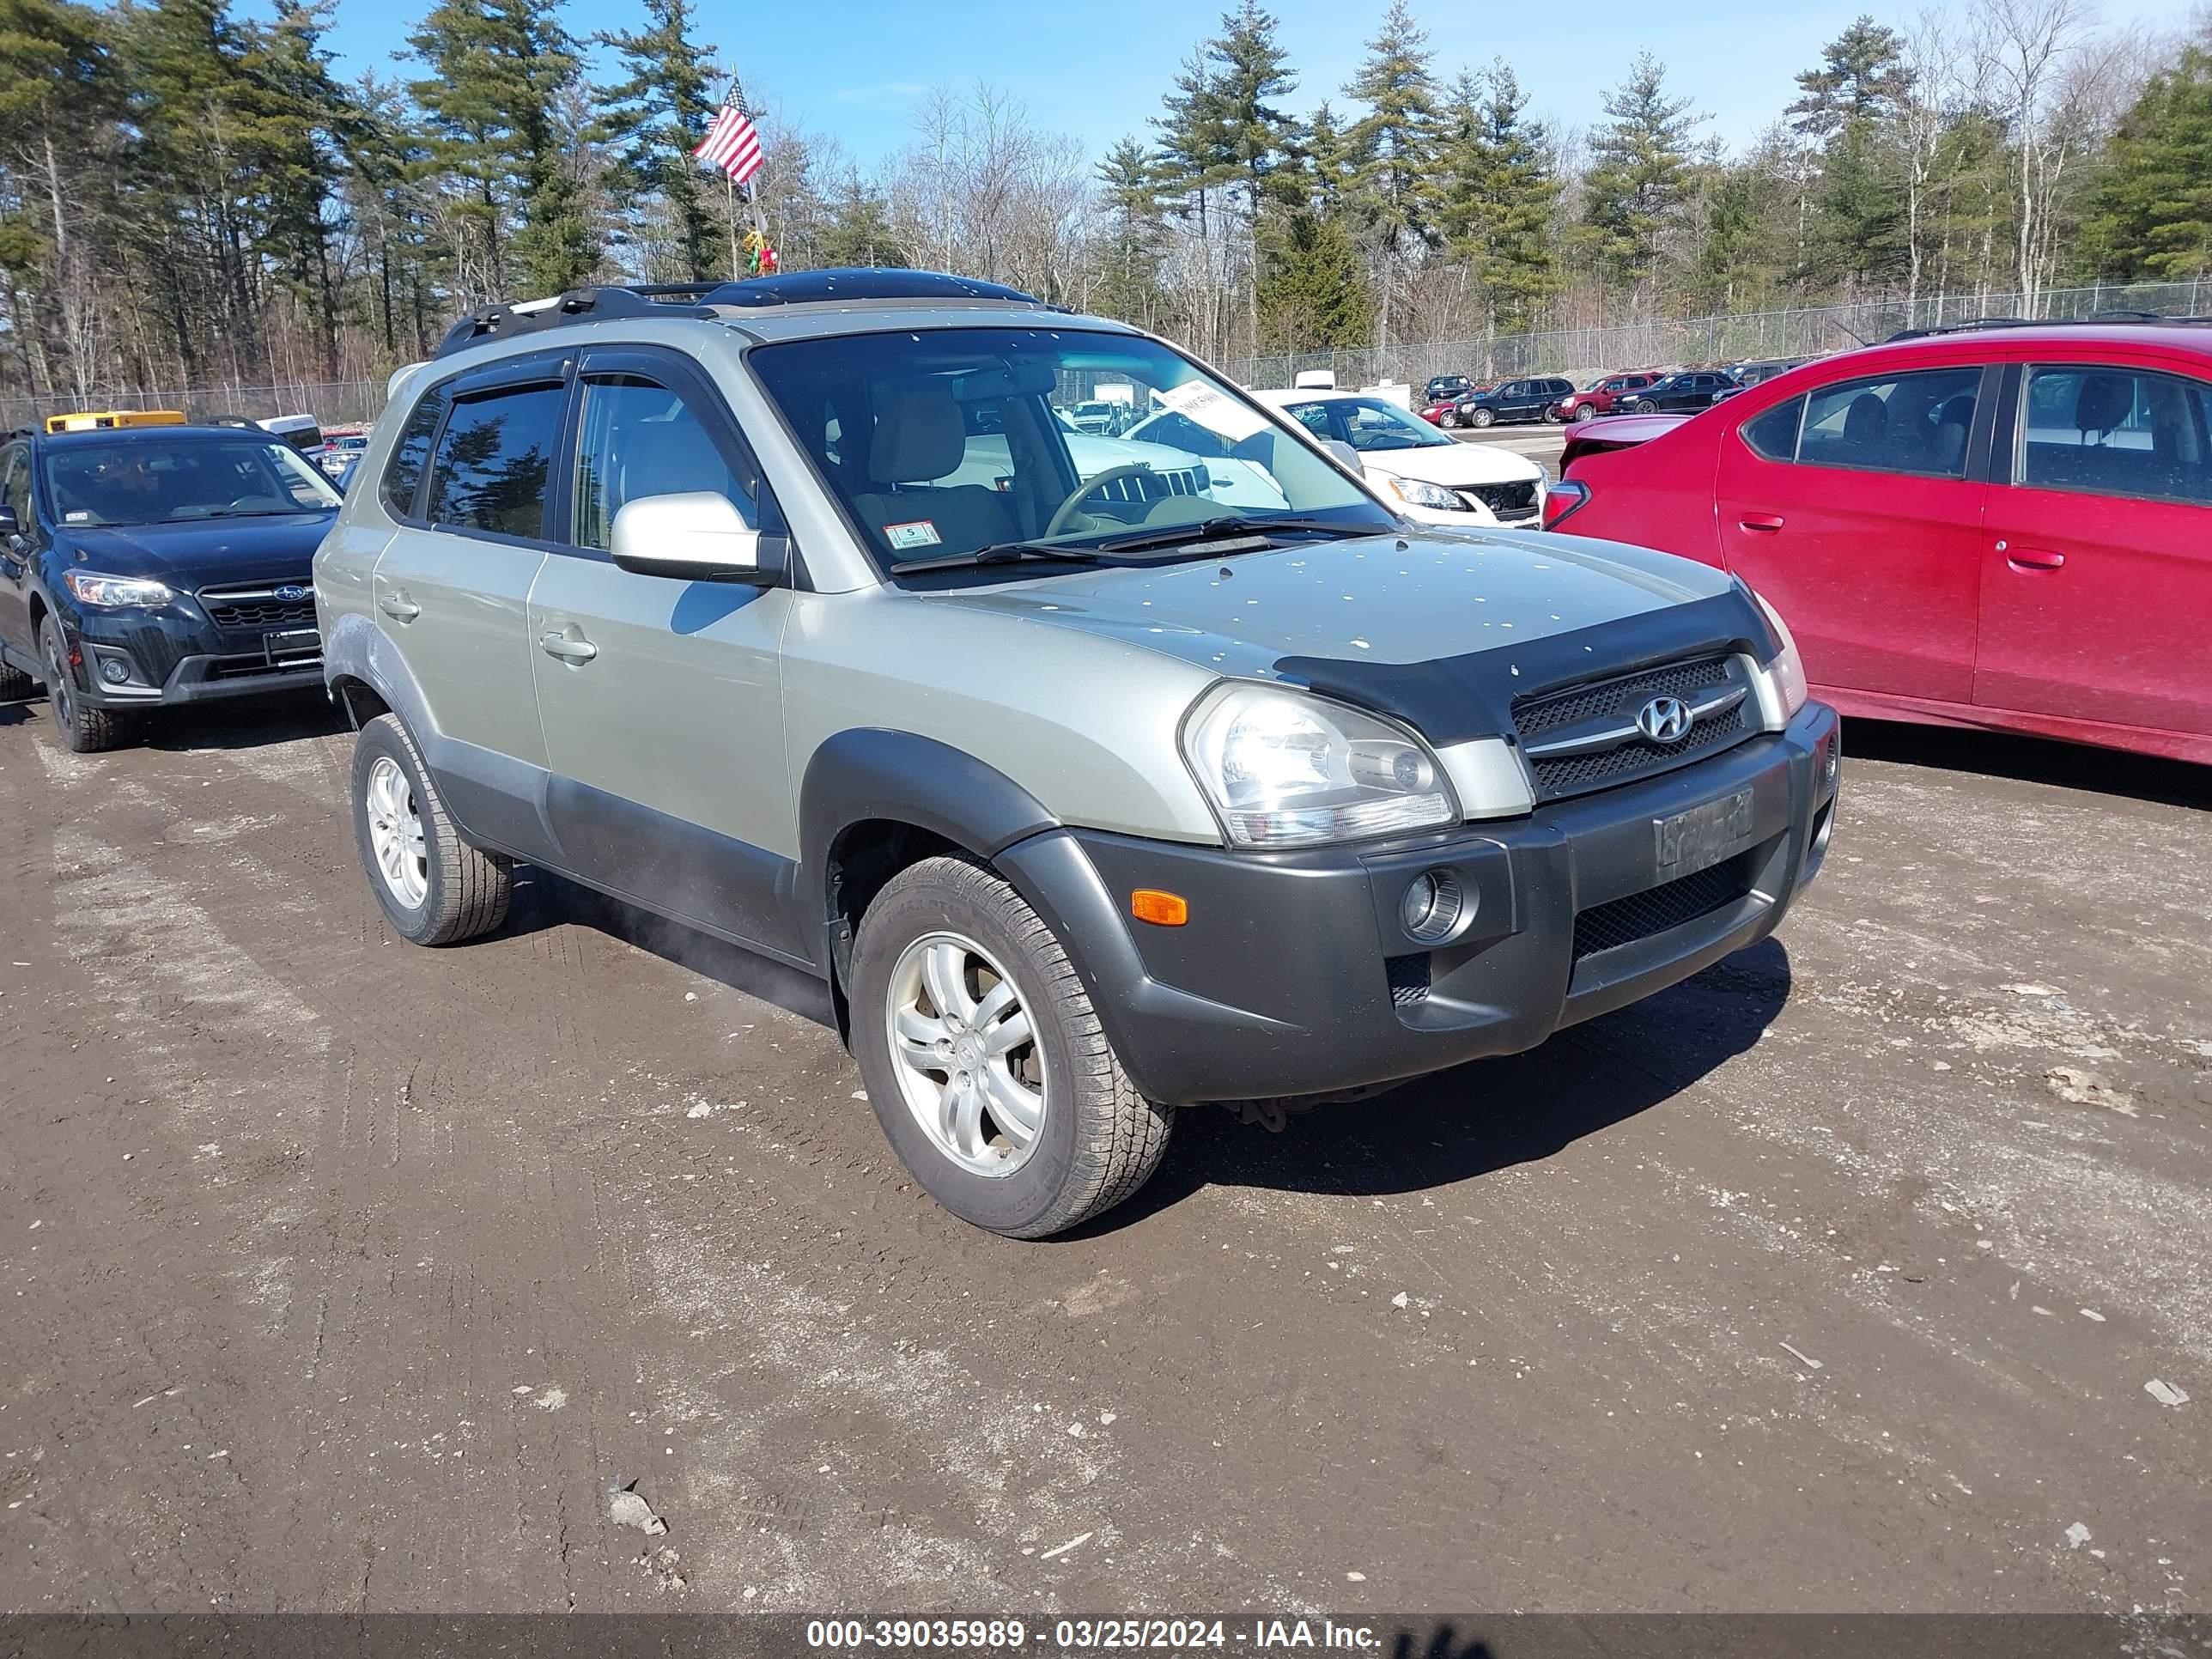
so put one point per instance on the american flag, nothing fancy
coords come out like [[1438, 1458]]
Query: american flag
[[733, 144]]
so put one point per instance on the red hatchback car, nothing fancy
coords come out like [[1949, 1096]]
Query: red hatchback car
[[1999, 527]]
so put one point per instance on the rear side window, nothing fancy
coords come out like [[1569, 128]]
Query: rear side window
[[639, 439], [494, 460], [403, 472], [2121, 432], [1915, 423], [15, 484], [1774, 435]]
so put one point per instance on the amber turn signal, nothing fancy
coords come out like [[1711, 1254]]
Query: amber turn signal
[[1161, 909]]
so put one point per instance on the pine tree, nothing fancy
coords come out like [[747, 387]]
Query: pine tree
[[1250, 70], [1862, 77], [2150, 214], [1328, 162], [1857, 225], [657, 114], [1641, 171], [1394, 146], [858, 231], [1314, 295], [1128, 280], [1499, 191], [1197, 164], [301, 123]]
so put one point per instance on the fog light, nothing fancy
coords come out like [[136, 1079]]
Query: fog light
[[114, 672], [1431, 907]]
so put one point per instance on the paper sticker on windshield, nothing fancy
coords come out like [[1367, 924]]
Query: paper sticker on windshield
[[920, 532], [77, 516], [1215, 411]]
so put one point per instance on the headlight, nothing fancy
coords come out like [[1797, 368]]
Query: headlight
[[109, 592], [1415, 493], [1786, 673], [1283, 769]]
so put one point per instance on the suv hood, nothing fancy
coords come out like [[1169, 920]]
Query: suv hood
[[1377, 599], [193, 553]]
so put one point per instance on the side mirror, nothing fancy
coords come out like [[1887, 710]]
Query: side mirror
[[696, 537], [1346, 456]]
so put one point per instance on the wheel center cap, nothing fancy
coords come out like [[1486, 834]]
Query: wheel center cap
[[968, 1052]]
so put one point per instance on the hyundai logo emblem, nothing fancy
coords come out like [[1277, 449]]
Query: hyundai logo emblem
[[1665, 720], [291, 591]]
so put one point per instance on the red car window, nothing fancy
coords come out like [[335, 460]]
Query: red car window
[[1913, 424], [2112, 431]]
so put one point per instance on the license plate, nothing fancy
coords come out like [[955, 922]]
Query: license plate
[[293, 642], [1704, 835]]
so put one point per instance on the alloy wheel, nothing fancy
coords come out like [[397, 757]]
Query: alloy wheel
[[970, 1068], [395, 834]]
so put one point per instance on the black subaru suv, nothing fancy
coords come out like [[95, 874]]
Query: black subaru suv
[[152, 566]]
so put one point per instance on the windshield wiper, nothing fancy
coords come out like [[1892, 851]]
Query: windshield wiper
[[998, 553], [1227, 524]]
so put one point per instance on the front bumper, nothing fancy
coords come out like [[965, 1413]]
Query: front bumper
[[1295, 975], [174, 654]]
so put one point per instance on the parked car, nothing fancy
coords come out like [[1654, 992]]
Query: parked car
[[1087, 804], [145, 567], [1445, 388], [1536, 400], [1752, 373], [1686, 389], [1434, 413], [2006, 528], [1434, 479], [1604, 395]]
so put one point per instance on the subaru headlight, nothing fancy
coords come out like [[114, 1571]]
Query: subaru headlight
[[1415, 492], [1785, 675], [1284, 769], [115, 592]]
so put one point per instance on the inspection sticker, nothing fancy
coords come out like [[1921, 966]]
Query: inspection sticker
[[920, 532]]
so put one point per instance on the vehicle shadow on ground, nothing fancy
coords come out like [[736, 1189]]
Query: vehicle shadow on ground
[[1488, 1115], [13, 713], [254, 723], [2029, 760]]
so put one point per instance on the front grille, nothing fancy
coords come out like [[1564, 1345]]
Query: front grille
[[256, 607], [1640, 915], [1409, 979], [1508, 502], [1546, 714], [246, 668], [1139, 487]]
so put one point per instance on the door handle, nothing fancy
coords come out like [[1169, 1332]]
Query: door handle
[[398, 606], [1768, 522], [2032, 558], [568, 647]]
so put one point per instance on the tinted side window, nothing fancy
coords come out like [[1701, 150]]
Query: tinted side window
[[403, 472], [1902, 424], [1774, 435], [493, 461], [2117, 432], [15, 483], [636, 439]]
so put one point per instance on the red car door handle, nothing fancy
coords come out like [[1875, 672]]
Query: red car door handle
[[2030, 558], [1767, 521]]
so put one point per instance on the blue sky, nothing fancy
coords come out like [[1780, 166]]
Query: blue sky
[[1097, 69]]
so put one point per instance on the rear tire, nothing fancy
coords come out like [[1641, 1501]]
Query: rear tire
[[937, 951], [1553, 415], [435, 888], [86, 729], [15, 684], [1483, 416]]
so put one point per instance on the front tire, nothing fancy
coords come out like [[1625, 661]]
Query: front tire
[[86, 729], [435, 888], [985, 1060], [1645, 407], [1483, 416], [1584, 412]]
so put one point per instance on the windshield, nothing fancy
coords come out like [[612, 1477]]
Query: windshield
[[942, 442], [1367, 423], [145, 481]]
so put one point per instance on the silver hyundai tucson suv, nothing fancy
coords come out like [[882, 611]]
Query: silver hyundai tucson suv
[[1096, 777]]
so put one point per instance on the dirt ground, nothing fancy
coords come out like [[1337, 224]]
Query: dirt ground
[[343, 1275]]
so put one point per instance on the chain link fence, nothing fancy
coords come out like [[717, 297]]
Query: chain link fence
[[1577, 353], [1809, 332], [334, 403]]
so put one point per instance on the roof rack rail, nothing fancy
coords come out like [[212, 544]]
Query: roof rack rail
[[2093, 319], [839, 286]]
